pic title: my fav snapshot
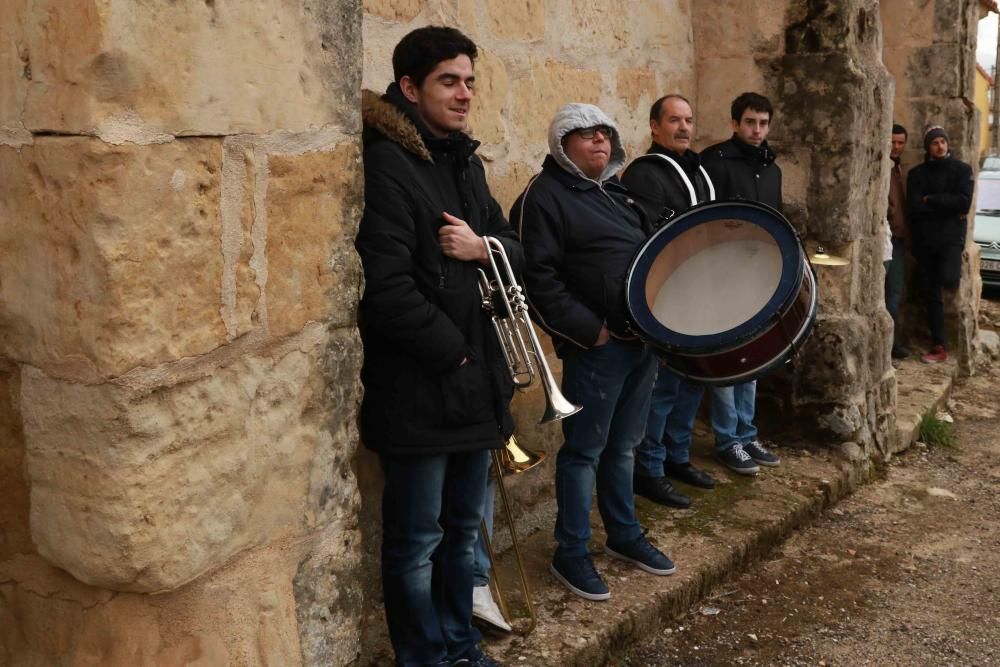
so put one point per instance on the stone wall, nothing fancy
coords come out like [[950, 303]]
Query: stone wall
[[820, 63], [930, 50], [179, 192]]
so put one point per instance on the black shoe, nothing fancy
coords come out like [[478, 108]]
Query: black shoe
[[900, 352], [660, 490], [580, 576], [760, 455], [737, 460], [687, 473]]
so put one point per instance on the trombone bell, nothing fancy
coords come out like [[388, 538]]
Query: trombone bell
[[516, 459]]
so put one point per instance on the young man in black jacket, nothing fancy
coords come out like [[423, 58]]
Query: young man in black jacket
[[938, 197], [665, 182], [580, 229], [743, 168], [437, 390]]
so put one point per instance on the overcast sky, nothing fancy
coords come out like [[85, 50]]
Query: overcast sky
[[986, 47]]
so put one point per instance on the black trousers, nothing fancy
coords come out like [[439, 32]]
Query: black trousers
[[940, 268]]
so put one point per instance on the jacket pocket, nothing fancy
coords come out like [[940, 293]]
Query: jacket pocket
[[466, 395]]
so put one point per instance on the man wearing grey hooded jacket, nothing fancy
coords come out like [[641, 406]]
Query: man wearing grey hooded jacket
[[580, 228]]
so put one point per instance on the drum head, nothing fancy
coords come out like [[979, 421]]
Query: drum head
[[714, 276]]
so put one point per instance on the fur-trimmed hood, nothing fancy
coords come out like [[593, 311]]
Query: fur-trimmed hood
[[388, 119], [395, 118]]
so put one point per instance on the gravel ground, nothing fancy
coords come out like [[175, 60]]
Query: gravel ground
[[901, 573]]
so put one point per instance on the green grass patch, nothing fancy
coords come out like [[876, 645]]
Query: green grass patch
[[937, 432]]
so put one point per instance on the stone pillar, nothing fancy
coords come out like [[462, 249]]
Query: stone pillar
[[179, 193], [931, 52], [820, 63]]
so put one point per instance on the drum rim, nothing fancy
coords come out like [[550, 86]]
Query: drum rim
[[788, 287]]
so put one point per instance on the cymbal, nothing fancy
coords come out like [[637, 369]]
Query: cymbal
[[822, 258]]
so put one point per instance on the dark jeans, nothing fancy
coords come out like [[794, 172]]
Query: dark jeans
[[431, 508], [895, 279], [940, 268], [612, 383]]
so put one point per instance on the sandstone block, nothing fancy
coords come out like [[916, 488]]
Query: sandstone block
[[492, 87], [592, 27], [15, 534], [635, 84], [139, 490], [313, 207], [244, 614], [522, 20], [832, 366], [545, 88], [937, 70], [506, 186], [124, 71], [111, 254], [400, 11], [719, 81]]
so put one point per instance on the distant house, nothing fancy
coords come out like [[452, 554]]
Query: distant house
[[984, 84]]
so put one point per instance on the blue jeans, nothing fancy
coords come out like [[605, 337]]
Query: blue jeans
[[733, 410], [481, 557], [672, 412], [672, 409], [431, 508], [612, 383]]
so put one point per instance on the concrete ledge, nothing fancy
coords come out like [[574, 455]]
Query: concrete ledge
[[727, 531]]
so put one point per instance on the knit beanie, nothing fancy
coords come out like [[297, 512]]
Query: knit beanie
[[932, 133]]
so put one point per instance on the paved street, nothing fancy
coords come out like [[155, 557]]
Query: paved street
[[901, 573]]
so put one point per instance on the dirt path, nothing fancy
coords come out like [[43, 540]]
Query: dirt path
[[904, 572]]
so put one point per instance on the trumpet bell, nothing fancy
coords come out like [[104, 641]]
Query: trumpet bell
[[516, 459]]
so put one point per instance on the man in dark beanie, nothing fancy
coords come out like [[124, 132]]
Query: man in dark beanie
[[939, 194]]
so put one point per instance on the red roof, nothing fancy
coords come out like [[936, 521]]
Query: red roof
[[986, 75], [991, 5]]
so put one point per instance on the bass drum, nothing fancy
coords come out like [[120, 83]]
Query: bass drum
[[724, 292]]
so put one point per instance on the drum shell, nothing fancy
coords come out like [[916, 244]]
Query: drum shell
[[753, 348]]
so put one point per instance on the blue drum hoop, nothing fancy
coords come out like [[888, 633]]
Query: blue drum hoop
[[789, 284]]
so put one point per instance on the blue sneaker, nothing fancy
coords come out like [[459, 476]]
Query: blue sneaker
[[476, 659], [643, 554], [579, 575]]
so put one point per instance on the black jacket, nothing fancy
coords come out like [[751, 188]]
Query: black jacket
[[742, 171], [658, 188], [579, 239], [421, 311], [938, 197]]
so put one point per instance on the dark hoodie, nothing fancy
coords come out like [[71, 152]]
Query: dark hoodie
[[421, 312], [742, 171]]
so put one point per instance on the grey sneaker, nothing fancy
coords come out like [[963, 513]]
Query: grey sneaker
[[761, 456], [737, 460]]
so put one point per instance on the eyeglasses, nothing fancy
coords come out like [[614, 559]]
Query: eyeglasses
[[591, 132]]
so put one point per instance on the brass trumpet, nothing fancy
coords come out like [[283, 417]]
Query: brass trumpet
[[503, 298]]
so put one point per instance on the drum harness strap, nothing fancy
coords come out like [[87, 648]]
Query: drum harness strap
[[685, 179]]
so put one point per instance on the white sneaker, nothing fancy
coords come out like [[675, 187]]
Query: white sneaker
[[485, 609]]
